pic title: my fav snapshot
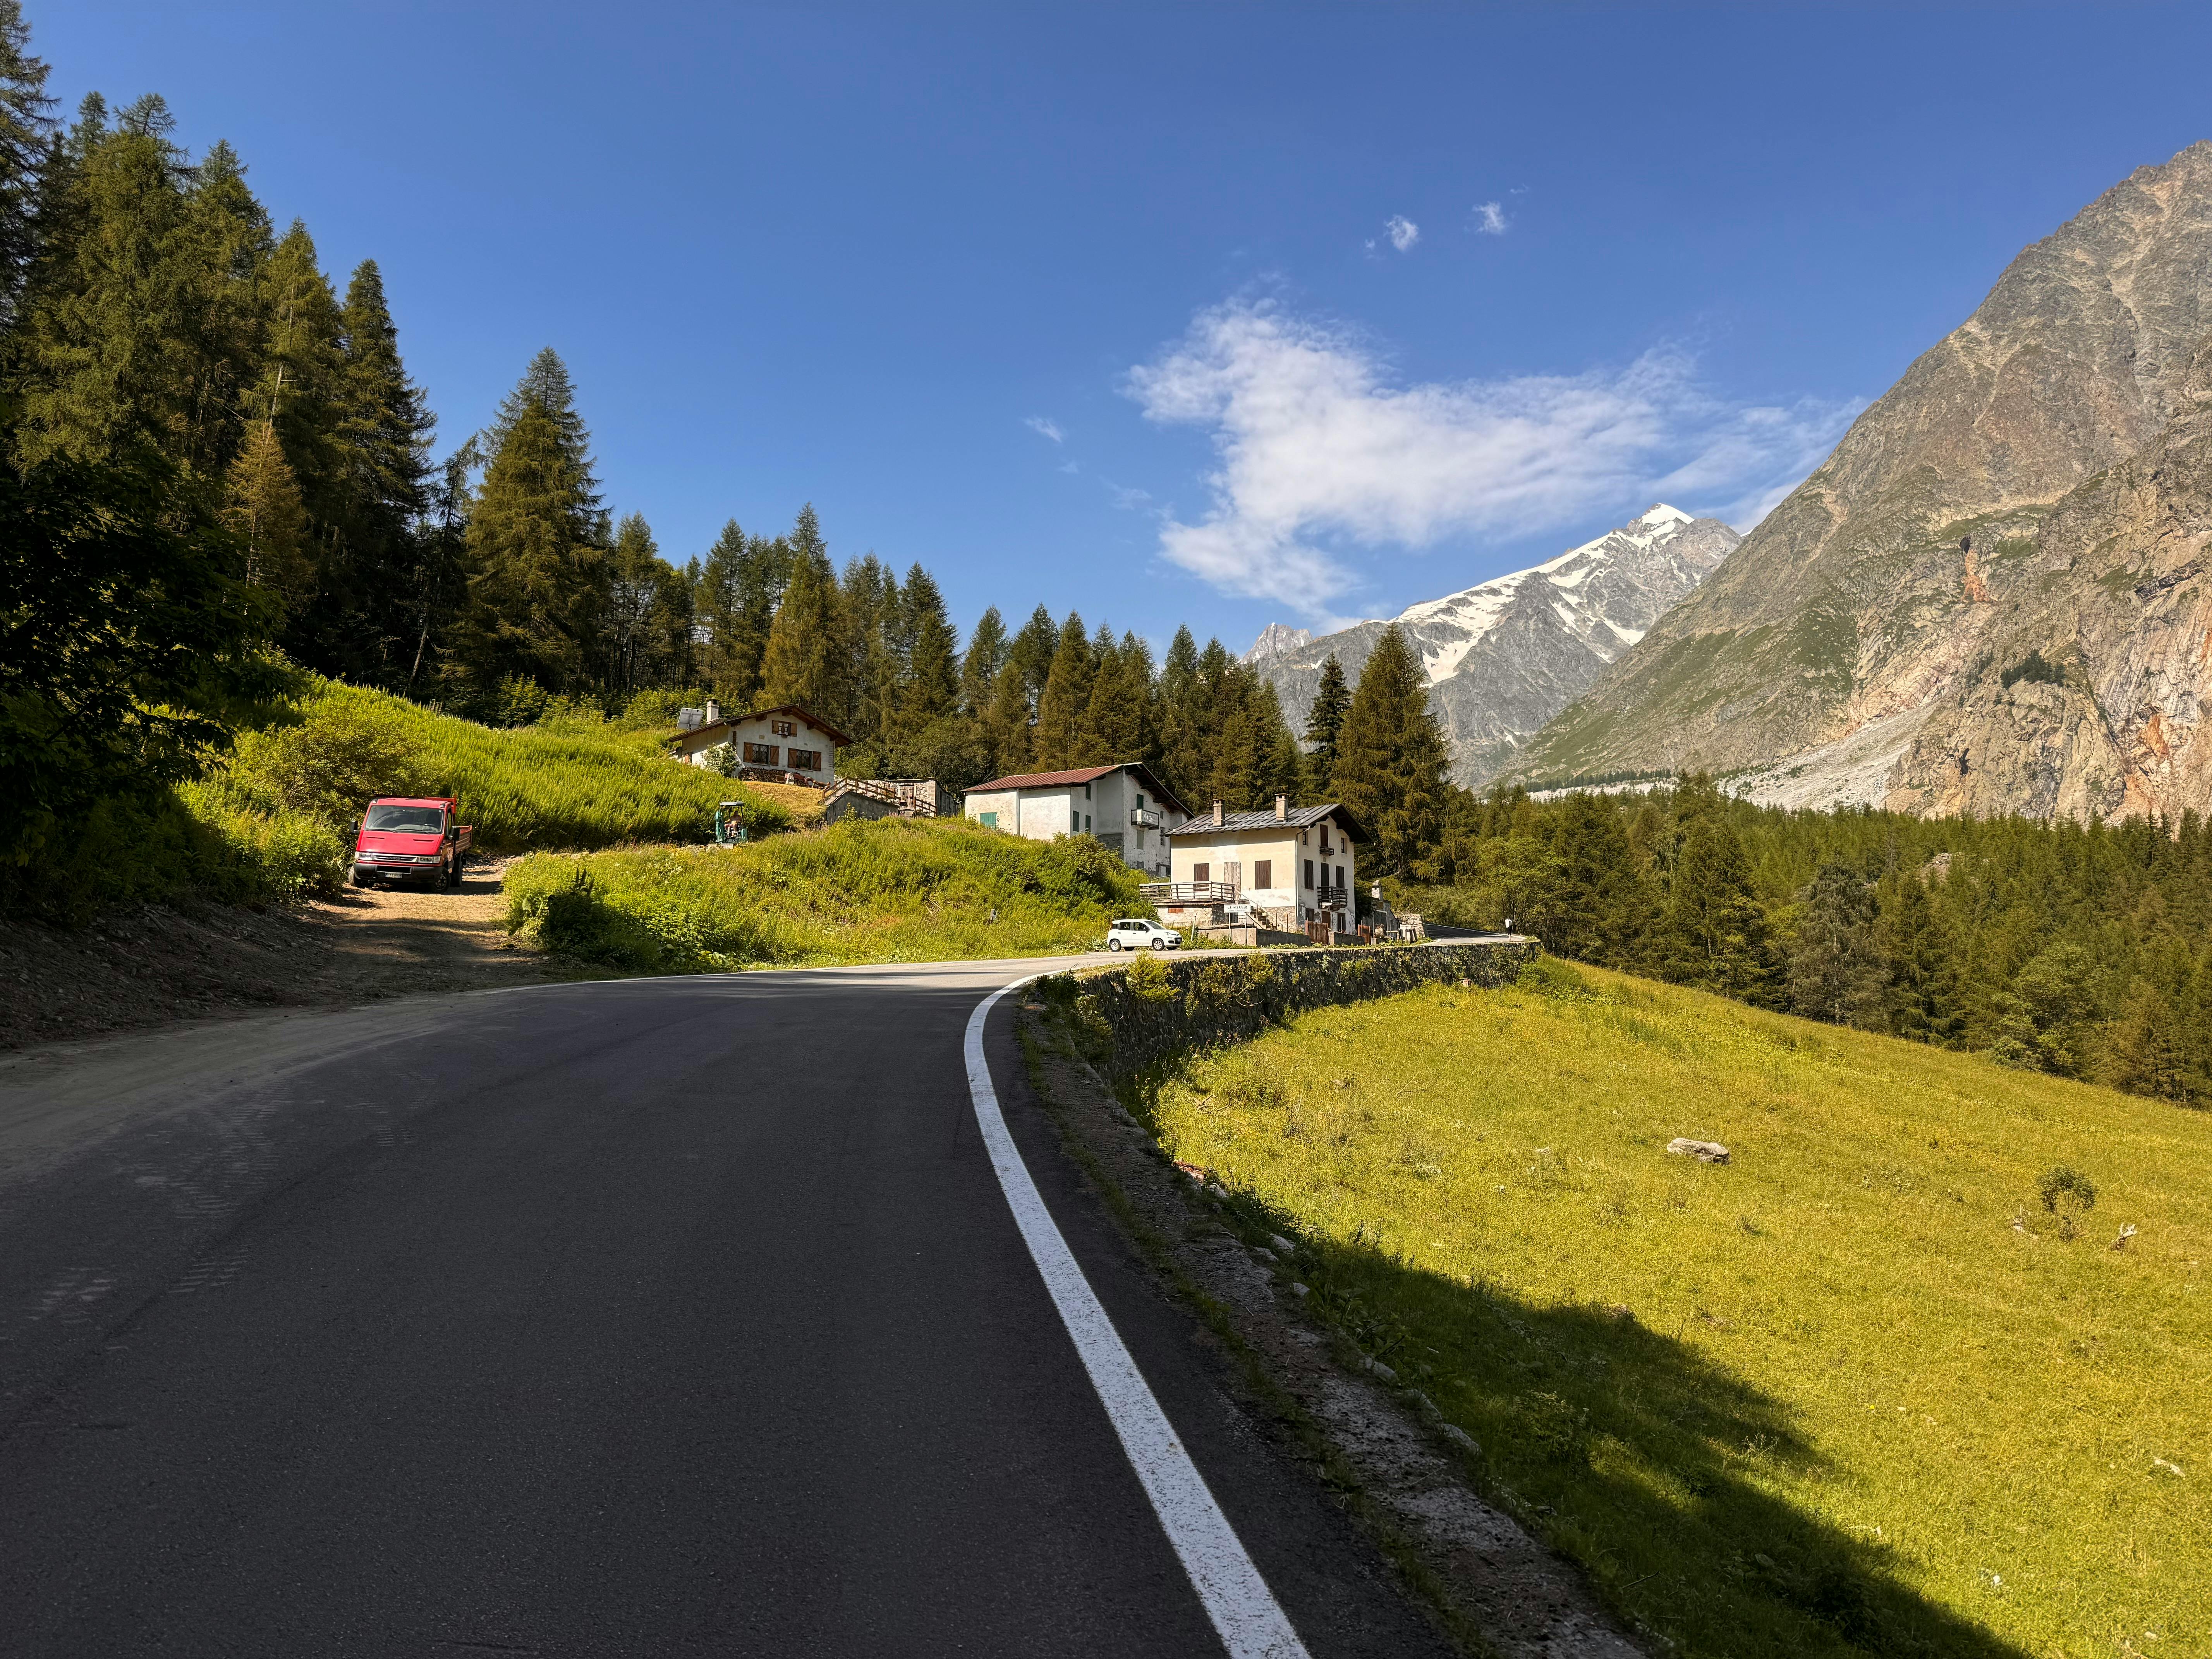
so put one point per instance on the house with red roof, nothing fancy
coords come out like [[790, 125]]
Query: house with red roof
[[1124, 805]]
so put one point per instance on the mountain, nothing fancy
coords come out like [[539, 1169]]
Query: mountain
[[1992, 597], [1506, 656]]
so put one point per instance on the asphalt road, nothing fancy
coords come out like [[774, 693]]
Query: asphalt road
[[667, 1317]]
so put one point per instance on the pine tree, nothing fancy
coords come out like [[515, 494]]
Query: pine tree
[[1715, 928], [1113, 720], [1923, 991], [875, 669], [1331, 700], [1390, 770], [1182, 740], [1836, 969], [806, 659], [1066, 699], [383, 444], [261, 509], [979, 668], [1031, 655], [1007, 725], [537, 540], [637, 579], [27, 127], [933, 667]]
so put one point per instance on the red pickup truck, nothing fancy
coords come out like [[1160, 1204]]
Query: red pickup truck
[[403, 838]]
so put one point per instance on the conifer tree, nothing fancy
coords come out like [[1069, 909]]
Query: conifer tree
[[1923, 991], [1836, 970], [1031, 655], [979, 668], [1331, 700], [1391, 761], [261, 509], [806, 659], [537, 541], [1113, 720], [1007, 725], [1717, 932], [1183, 739], [383, 444], [26, 126], [933, 668], [1066, 699], [637, 583]]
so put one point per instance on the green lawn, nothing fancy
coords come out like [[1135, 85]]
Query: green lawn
[[1851, 1391]]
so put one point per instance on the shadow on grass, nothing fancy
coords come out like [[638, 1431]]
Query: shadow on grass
[[1636, 1456]]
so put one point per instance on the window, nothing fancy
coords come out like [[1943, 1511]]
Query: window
[[1086, 792], [1140, 803], [989, 820], [806, 760], [759, 754], [1086, 819], [783, 728], [388, 819], [1263, 873], [1309, 872], [1201, 872]]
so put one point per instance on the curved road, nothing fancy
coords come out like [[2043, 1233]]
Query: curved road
[[654, 1317]]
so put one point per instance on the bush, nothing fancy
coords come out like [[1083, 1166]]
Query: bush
[[2068, 1194]]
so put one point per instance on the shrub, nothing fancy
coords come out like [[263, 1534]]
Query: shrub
[[2068, 1194]]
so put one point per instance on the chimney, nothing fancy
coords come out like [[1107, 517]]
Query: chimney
[[713, 711], [1282, 808], [1217, 815]]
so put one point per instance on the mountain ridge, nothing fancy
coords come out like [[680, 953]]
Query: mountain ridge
[[1849, 645], [1505, 655]]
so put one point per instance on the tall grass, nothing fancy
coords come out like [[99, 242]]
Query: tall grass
[[891, 891], [268, 820], [1857, 1390]]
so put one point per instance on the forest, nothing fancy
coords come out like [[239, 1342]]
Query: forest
[[218, 475]]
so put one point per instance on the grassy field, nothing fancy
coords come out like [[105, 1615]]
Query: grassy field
[[891, 891], [1857, 1390]]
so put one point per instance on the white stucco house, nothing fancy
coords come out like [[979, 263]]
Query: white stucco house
[[1291, 866], [785, 744], [1125, 806]]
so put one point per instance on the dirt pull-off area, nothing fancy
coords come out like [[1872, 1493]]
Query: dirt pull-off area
[[132, 968]]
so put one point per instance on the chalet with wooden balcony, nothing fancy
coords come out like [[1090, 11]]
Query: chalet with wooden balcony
[[1289, 868], [1124, 806]]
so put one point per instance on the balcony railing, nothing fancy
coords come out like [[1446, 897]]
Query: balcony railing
[[1188, 892], [1145, 820]]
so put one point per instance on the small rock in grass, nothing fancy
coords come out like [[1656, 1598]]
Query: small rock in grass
[[1459, 1438], [1705, 1152], [1298, 1290], [1377, 1368], [1196, 1172], [1284, 1247]]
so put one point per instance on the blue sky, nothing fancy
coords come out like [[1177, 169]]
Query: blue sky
[[1103, 306]]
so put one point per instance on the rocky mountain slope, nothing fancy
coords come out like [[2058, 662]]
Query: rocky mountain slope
[[1503, 658], [1991, 597]]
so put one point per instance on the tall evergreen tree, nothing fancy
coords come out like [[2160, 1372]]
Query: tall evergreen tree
[[806, 661], [1182, 741], [1332, 701], [1390, 768], [1836, 967], [1066, 699], [932, 687], [383, 443], [261, 508], [1923, 991], [26, 149], [1715, 932], [536, 543], [979, 668]]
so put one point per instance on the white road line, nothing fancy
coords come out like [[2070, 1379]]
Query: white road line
[[1237, 1600]]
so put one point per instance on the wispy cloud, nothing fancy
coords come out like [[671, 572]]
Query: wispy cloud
[[1046, 426], [1491, 220], [1403, 232], [1316, 445]]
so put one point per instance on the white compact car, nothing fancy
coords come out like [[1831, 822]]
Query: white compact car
[[1134, 935]]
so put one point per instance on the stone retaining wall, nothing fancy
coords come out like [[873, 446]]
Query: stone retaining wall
[[1142, 1016]]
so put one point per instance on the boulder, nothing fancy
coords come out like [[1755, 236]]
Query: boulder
[[1705, 1152]]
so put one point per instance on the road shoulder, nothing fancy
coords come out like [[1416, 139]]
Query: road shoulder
[[1391, 1468]]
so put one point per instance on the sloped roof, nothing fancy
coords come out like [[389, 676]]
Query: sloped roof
[[729, 721], [1081, 775], [1299, 817]]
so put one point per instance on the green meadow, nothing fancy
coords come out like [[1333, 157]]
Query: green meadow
[[1882, 1382], [896, 889]]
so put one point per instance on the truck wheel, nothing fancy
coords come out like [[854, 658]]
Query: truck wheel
[[359, 878], [454, 873]]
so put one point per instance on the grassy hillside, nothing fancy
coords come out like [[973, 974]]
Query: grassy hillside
[[1878, 1383], [893, 891], [268, 819]]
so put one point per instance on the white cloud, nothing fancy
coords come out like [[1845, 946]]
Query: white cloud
[[1317, 445], [1049, 427], [1403, 232], [1493, 218]]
